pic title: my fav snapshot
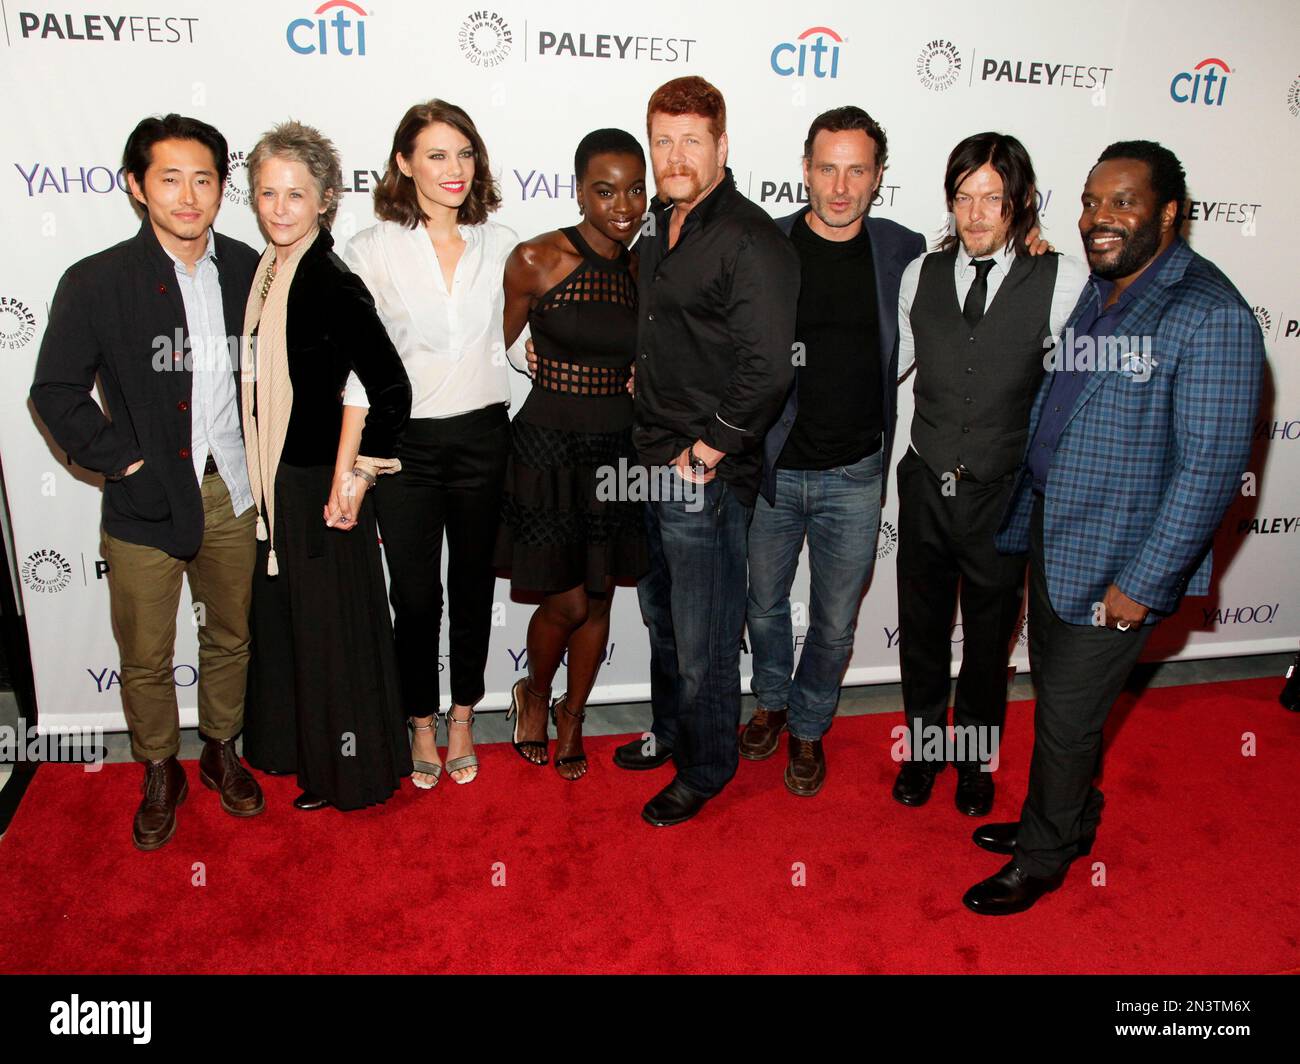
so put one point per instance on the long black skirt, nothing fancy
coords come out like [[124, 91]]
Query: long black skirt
[[323, 693]]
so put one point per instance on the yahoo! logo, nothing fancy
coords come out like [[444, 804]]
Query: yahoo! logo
[[791, 58], [1193, 86], [312, 36]]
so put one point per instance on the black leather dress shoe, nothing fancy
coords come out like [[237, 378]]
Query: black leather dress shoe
[[1012, 890], [310, 801], [914, 783], [675, 804], [632, 755], [974, 791], [1001, 838]]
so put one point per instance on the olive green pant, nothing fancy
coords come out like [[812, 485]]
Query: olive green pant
[[144, 586]]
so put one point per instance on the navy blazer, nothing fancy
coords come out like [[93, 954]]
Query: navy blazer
[[893, 246]]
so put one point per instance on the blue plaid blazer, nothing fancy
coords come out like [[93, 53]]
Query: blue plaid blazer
[[1146, 468]]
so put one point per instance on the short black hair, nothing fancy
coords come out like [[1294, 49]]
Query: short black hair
[[1168, 179], [139, 145], [1009, 158], [605, 142], [842, 119]]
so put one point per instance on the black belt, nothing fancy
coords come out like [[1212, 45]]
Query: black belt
[[210, 467]]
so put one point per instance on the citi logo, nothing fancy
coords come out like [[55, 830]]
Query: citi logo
[[102, 1017], [313, 36], [809, 54], [1202, 84]]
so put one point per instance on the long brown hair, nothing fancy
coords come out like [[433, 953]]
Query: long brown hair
[[1009, 159], [395, 195]]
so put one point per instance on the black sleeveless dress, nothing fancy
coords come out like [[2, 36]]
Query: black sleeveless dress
[[571, 442]]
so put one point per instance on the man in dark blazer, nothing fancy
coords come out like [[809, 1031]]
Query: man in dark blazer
[[824, 470], [1137, 443], [157, 320]]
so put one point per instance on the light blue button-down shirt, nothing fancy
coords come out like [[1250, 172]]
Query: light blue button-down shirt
[[214, 406]]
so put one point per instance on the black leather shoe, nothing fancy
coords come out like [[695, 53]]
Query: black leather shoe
[[632, 755], [309, 801], [675, 804], [1001, 838], [974, 791], [1012, 890], [915, 780]]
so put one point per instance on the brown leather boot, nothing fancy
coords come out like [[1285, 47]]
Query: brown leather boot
[[165, 787], [760, 737], [805, 772], [221, 770]]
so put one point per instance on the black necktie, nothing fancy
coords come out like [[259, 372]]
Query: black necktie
[[973, 309]]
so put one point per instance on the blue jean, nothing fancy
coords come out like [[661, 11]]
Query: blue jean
[[839, 511], [693, 602]]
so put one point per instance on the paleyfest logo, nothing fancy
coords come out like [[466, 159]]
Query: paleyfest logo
[[315, 36], [485, 38], [46, 571], [939, 65], [17, 324], [887, 540], [237, 191]]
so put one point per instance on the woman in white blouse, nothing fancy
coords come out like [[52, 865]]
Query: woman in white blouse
[[435, 265]]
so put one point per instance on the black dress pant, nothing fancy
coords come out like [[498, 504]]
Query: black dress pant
[[1079, 671], [946, 554], [452, 474]]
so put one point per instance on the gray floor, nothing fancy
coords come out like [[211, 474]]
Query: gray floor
[[492, 727]]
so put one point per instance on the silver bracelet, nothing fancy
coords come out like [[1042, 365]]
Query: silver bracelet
[[367, 477]]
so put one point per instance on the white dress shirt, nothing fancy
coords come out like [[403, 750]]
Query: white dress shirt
[[1071, 277], [214, 406], [452, 343]]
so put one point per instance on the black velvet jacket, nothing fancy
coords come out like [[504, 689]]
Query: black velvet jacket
[[332, 328]]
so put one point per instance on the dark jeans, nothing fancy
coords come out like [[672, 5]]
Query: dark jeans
[[946, 552], [693, 602], [838, 510], [453, 470], [1079, 671]]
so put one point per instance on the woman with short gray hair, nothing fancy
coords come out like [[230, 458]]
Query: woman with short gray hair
[[323, 696]]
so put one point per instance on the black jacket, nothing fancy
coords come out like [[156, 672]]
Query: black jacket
[[332, 328], [116, 315], [892, 248]]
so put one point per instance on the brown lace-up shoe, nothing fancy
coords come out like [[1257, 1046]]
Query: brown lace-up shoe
[[805, 772], [221, 770], [165, 788], [759, 738]]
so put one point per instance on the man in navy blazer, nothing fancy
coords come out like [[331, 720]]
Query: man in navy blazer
[[824, 471], [1137, 444]]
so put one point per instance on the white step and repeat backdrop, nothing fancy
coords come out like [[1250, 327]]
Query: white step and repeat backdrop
[[1223, 91]]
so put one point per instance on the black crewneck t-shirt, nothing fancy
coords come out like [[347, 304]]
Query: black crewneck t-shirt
[[841, 414]]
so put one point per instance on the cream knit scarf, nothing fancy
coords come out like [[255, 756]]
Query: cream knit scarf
[[270, 384]]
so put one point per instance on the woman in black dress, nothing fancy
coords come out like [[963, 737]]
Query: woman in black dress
[[323, 698], [561, 537]]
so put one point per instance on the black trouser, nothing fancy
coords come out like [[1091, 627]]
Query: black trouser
[[453, 470], [1079, 671], [946, 552]]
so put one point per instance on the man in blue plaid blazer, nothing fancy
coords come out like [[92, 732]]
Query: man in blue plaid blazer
[[1138, 440]]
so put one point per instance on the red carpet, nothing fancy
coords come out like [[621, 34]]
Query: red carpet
[[1198, 843]]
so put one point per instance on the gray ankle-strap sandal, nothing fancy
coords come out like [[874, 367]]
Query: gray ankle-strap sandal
[[426, 767], [469, 760]]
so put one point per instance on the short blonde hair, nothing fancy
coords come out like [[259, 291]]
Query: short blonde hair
[[306, 145]]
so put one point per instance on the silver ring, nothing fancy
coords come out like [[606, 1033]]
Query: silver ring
[[1123, 626]]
